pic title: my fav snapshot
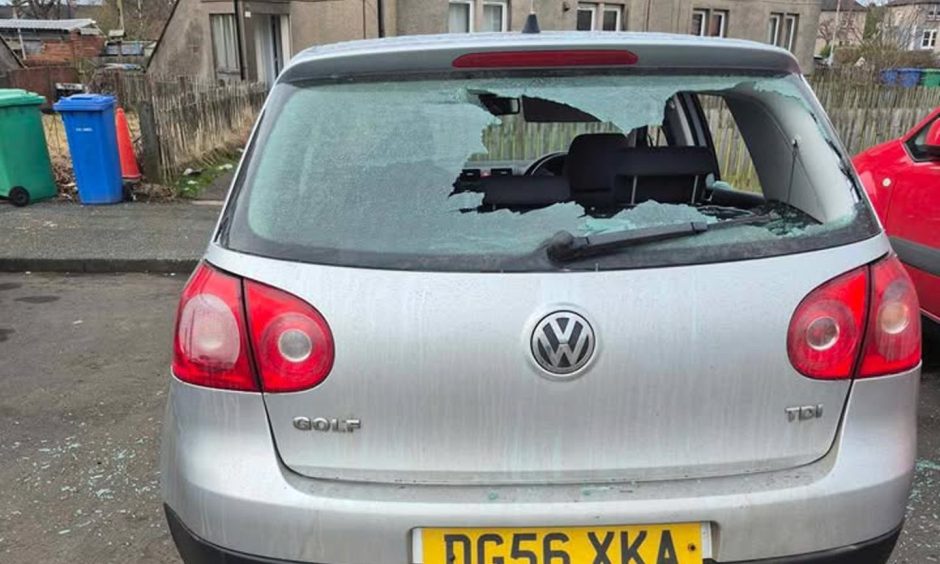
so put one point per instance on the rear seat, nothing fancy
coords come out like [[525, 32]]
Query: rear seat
[[604, 171], [674, 175]]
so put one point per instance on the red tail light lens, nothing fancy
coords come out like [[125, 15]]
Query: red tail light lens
[[546, 59], [210, 348], [869, 317], [293, 343], [826, 331], [893, 339]]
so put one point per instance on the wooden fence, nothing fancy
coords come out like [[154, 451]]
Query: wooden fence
[[183, 122], [41, 80], [863, 111], [867, 113]]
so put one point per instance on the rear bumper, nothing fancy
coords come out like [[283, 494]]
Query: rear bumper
[[223, 479], [195, 550]]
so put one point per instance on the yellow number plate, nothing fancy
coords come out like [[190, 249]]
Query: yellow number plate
[[634, 544]]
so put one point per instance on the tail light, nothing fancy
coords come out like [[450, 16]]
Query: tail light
[[826, 331], [863, 323], [893, 340], [292, 342], [211, 346], [222, 320]]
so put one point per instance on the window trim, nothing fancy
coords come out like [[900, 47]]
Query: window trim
[[791, 40], [470, 4], [703, 27], [504, 12], [587, 7], [928, 39], [786, 28], [214, 37], [616, 9], [723, 29], [774, 32], [933, 12]]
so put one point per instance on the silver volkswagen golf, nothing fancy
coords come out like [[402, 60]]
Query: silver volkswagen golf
[[551, 298]]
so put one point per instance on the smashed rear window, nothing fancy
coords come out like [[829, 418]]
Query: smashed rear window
[[494, 173]]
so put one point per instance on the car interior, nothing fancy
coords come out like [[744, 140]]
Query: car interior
[[610, 171]]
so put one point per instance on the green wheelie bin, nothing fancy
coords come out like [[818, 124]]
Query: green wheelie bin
[[931, 78], [25, 169]]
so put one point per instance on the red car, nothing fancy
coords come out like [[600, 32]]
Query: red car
[[902, 177]]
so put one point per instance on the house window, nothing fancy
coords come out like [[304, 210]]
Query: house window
[[789, 32], [781, 30], [605, 17], [929, 39], [613, 18], [933, 12], [709, 23], [586, 17], [773, 29], [460, 18], [495, 16], [224, 44], [699, 17]]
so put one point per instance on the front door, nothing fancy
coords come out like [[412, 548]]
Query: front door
[[272, 45]]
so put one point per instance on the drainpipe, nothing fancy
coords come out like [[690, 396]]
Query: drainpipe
[[238, 39], [835, 38], [380, 11], [19, 33]]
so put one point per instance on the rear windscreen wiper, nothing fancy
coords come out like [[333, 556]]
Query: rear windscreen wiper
[[565, 247]]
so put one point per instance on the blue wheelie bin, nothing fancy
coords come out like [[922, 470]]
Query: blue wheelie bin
[[909, 78], [890, 77], [89, 126]]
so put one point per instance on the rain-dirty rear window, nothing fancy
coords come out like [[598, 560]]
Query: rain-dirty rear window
[[479, 174]]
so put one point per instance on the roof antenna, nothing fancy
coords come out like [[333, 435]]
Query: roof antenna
[[531, 21]]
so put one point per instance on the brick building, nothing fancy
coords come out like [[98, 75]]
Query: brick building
[[52, 42]]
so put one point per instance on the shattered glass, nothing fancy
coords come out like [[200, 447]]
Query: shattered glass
[[371, 167]]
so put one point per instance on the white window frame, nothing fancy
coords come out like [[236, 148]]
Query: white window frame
[[928, 39], [774, 32], [791, 39], [933, 12], [707, 15], [723, 28], [586, 7], [703, 28], [616, 9], [470, 9], [504, 7]]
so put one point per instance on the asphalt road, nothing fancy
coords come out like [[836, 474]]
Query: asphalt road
[[83, 379]]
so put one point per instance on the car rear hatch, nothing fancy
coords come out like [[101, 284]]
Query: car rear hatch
[[690, 377], [439, 292]]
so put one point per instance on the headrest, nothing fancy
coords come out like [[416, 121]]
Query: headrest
[[667, 161], [593, 160]]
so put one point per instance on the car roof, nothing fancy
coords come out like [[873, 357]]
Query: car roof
[[435, 53]]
